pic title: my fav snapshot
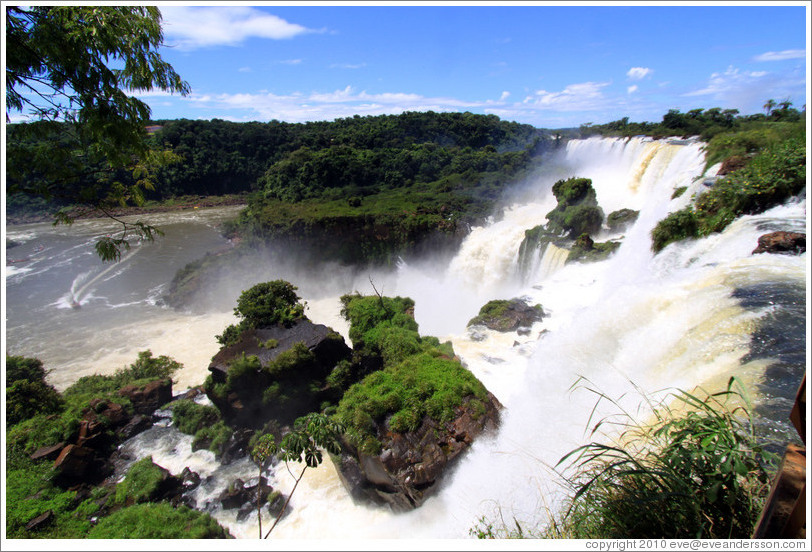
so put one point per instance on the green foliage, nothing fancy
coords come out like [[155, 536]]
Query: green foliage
[[586, 250], [365, 313], [577, 211], [679, 191], [264, 305], [773, 176], [25, 399], [421, 385], [29, 493], [70, 67], [157, 521], [142, 482], [213, 437], [190, 417], [698, 470], [22, 368], [299, 358], [48, 429], [268, 304]]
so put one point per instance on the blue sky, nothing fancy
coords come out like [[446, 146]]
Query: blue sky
[[548, 65]]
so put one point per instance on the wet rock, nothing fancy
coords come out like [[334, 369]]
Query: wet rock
[[148, 398], [781, 242], [258, 396], [621, 219], [49, 453], [410, 465], [40, 521], [507, 315], [136, 425], [190, 480], [75, 461]]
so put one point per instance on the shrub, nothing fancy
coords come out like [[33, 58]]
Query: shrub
[[213, 437], [268, 304], [190, 417], [22, 368], [25, 399], [142, 483], [698, 472], [158, 521]]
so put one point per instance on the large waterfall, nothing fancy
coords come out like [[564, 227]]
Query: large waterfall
[[634, 324]]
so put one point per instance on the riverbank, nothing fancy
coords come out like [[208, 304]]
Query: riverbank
[[181, 203]]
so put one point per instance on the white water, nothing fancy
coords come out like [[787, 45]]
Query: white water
[[633, 321]]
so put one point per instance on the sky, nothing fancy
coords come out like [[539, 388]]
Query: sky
[[550, 65]]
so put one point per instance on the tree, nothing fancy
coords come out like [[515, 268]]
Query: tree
[[70, 68], [768, 106], [310, 434]]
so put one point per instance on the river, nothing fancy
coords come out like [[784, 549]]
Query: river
[[636, 324]]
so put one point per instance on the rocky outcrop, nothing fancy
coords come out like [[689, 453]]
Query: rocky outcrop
[[619, 220], [507, 315], [410, 465], [146, 399], [244, 497], [781, 242], [585, 249], [291, 366]]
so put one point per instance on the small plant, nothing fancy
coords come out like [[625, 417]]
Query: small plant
[[696, 471], [310, 434]]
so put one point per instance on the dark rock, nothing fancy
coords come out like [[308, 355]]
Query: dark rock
[[249, 404], [240, 495], [410, 465], [732, 163], [781, 242], [189, 479], [40, 521], [237, 446], [136, 425], [507, 316], [148, 398], [75, 461], [621, 219], [49, 453]]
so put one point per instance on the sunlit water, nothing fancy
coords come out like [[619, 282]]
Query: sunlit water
[[696, 314]]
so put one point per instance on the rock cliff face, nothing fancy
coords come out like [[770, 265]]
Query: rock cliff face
[[410, 465], [292, 364]]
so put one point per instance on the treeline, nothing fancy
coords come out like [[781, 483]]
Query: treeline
[[705, 123]]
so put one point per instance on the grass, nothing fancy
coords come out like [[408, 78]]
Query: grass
[[772, 176], [157, 521], [694, 469]]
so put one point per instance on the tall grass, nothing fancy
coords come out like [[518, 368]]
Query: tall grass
[[693, 469]]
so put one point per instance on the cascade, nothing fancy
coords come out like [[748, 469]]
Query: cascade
[[634, 323]]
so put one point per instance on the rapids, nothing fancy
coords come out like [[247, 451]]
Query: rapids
[[693, 315]]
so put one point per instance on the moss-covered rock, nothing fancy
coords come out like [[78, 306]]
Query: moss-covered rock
[[577, 210], [505, 315], [587, 250], [621, 219]]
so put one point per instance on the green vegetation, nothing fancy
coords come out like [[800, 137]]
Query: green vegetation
[[143, 483], [27, 393], [695, 471], [88, 145], [586, 250], [705, 123], [54, 426], [311, 434], [264, 305], [157, 521], [419, 376], [771, 177], [190, 417], [577, 211]]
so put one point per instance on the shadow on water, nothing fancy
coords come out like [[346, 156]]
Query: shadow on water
[[780, 341]]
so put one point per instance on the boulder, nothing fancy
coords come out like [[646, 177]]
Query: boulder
[[621, 219], [49, 453], [74, 461], [148, 398], [40, 521], [410, 465], [507, 315], [781, 242], [282, 390], [136, 425]]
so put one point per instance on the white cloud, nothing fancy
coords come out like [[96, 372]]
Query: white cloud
[[244, 69], [189, 27], [318, 106], [632, 89], [348, 65], [781, 56], [721, 84], [585, 96], [504, 96], [290, 62], [637, 73]]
